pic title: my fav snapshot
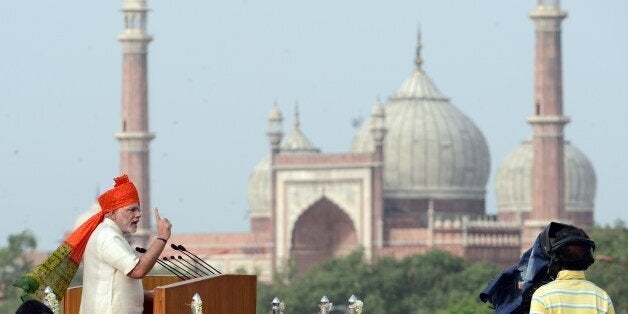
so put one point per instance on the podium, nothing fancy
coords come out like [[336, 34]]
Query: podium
[[220, 294]]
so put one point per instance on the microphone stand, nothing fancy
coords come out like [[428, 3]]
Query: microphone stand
[[166, 267], [193, 256], [194, 267], [173, 265], [172, 258]]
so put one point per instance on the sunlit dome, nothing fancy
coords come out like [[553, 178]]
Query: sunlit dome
[[259, 189], [431, 149], [93, 210], [513, 182], [296, 142], [259, 182]]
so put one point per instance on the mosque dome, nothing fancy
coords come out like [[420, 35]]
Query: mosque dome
[[259, 182], [259, 189], [513, 182], [93, 210], [431, 149], [296, 142]]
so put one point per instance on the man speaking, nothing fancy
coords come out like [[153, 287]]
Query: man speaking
[[112, 272]]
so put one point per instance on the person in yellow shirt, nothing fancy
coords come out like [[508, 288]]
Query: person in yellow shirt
[[571, 253]]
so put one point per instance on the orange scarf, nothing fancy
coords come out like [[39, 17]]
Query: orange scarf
[[59, 268]]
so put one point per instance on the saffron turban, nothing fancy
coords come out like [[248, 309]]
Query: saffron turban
[[59, 268], [123, 194]]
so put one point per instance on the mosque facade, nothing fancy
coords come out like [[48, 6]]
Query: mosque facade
[[414, 178]]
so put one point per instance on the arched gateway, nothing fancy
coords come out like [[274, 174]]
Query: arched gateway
[[322, 231]]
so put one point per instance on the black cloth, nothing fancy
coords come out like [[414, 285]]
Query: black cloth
[[503, 292]]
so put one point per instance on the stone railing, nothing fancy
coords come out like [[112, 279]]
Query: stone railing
[[353, 306], [493, 239], [465, 221]]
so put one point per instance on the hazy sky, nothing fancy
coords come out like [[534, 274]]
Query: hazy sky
[[215, 68]]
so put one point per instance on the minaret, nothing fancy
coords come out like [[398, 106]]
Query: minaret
[[275, 134], [135, 138], [378, 131], [548, 121]]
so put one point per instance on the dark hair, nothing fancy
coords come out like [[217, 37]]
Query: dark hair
[[33, 307], [573, 254]]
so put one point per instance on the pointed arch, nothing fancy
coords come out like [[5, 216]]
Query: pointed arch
[[323, 230]]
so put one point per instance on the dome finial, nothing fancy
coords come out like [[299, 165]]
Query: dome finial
[[418, 60], [297, 121]]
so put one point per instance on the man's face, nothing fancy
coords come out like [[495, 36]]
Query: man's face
[[127, 217]]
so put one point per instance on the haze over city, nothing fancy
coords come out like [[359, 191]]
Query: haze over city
[[216, 68]]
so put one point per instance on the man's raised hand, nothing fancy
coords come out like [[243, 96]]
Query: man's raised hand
[[163, 226]]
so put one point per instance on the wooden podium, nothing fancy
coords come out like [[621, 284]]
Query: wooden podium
[[229, 294]]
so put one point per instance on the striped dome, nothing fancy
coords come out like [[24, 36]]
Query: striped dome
[[513, 183], [259, 182], [259, 189], [431, 149]]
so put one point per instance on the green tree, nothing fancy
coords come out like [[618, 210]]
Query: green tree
[[435, 281], [13, 264], [611, 273]]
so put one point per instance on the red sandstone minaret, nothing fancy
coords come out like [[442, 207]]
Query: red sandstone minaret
[[135, 137], [378, 131], [548, 174]]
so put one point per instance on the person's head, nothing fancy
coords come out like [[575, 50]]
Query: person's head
[[567, 247], [574, 251], [127, 217], [33, 307], [122, 205]]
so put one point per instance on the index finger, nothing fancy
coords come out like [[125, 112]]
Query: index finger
[[157, 217]]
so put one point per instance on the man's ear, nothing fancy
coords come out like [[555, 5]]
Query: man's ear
[[111, 215]]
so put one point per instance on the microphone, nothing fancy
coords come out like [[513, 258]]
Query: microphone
[[180, 269], [194, 267], [172, 271], [177, 248], [172, 258], [182, 249]]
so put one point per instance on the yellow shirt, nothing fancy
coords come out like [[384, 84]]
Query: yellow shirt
[[571, 293]]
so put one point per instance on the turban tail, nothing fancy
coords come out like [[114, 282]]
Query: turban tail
[[60, 267]]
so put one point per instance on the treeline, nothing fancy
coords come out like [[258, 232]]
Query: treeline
[[435, 282], [610, 270], [13, 264]]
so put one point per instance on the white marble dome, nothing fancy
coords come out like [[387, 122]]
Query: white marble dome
[[259, 189], [431, 149], [297, 143], [93, 210], [513, 182], [259, 182]]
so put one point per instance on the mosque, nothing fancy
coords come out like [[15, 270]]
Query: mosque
[[414, 177]]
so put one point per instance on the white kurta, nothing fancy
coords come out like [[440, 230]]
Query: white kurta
[[107, 260]]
